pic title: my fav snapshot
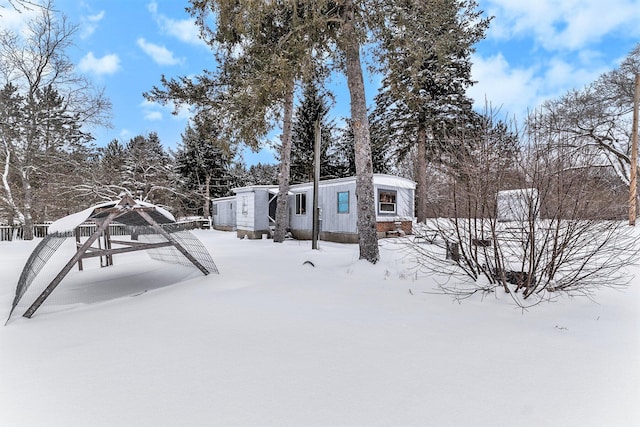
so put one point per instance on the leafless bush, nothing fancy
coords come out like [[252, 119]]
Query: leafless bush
[[559, 230]]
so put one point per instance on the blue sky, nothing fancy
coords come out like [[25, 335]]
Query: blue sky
[[534, 50]]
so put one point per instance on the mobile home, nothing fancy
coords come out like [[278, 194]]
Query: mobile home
[[255, 209]]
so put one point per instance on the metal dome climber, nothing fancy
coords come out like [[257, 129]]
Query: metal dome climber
[[151, 228]]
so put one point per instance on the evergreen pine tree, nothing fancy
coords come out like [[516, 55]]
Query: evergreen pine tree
[[148, 169], [424, 52], [344, 154], [312, 107], [203, 162]]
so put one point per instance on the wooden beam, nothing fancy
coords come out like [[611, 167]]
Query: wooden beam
[[125, 206], [107, 245], [77, 234], [65, 270], [128, 243], [114, 251]]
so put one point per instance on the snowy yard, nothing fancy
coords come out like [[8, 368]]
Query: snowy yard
[[273, 342]]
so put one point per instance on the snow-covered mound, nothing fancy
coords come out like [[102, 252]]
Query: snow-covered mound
[[275, 341]]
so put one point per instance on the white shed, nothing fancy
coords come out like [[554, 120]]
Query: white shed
[[223, 213], [517, 205], [252, 210]]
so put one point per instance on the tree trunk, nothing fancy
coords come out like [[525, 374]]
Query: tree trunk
[[28, 196], [8, 199], [207, 197], [285, 164], [366, 222], [421, 174]]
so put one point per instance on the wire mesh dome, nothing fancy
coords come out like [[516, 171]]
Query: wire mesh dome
[[138, 226]]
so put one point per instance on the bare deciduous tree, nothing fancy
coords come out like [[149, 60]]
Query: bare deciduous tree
[[548, 233], [52, 106], [597, 116]]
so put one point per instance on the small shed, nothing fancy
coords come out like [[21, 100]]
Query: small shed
[[223, 213], [254, 206], [517, 205]]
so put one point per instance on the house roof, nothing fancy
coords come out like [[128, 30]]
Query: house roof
[[378, 179]]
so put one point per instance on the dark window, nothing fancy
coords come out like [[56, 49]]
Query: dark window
[[301, 203], [386, 201], [343, 202]]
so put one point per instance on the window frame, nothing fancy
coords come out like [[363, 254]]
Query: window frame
[[245, 206], [301, 203], [338, 204], [394, 203]]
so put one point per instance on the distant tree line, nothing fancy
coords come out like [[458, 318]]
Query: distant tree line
[[274, 60]]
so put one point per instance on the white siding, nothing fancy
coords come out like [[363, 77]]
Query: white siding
[[261, 209], [224, 212], [404, 203], [245, 210], [515, 205]]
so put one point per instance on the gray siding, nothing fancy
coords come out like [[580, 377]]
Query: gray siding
[[261, 209], [335, 222], [224, 216], [304, 221], [252, 208]]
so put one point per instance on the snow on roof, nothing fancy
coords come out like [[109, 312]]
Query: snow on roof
[[394, 181], [160, 210], [378, 179], [70, 222], [224, 199], [518, 191], [250, 188]]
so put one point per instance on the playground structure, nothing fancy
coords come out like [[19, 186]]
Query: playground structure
[[151, 228]]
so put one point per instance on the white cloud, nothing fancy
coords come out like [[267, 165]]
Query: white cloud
[[517, 90], [149, 104], [14, 20], [160, 54], [153, 116], [125, 134], [512, 90], [184, 30], [557, 25], [108, 64], [155, 111], [184, 112], [559, 75], [152, 7], [151, 110], [90, 24]]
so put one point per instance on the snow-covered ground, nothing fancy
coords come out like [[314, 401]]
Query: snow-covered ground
[[274, 342]]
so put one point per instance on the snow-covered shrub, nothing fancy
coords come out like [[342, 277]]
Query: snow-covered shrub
[[569, 236]]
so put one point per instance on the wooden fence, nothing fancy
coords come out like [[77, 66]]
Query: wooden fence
[[16, 232]]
